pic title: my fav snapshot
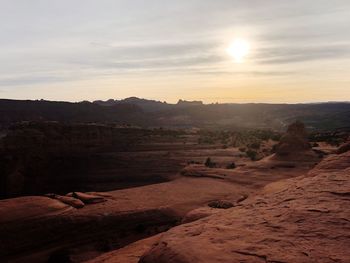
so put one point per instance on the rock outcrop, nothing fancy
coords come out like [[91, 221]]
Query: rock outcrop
[[128, 254], [39, 228], [73, 202], [199, 213], [294, 140], [304, 219], [294, 148], [87, 198]]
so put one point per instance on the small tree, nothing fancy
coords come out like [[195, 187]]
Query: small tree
[[209, 163], [242, 149], [255, 145], [252, 154], [231, 166]]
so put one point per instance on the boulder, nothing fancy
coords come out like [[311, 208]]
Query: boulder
[[74, 202], [87, 198], [199, 213], [294, 140]]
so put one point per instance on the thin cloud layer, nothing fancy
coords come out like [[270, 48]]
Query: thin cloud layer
[[119, 45]]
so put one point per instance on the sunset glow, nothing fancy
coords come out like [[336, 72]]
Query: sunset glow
[[238, 49], [241, 51]]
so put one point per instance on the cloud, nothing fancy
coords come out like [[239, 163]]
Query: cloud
[[285, 55], [32, 80], [66, 42], [145, 56]]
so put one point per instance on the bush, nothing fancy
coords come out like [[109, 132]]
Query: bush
[[206, 140], [221, 204], [252, 154], [193, 162], [231, 166], [334, 141], [209, 163], [255, 145], [242, 149], [274, 148], [276, 137]]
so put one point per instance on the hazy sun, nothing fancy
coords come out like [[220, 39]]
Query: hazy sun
[[238, 49]]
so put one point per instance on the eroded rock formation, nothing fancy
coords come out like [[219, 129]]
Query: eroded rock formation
[[294, 140], [304, 219]]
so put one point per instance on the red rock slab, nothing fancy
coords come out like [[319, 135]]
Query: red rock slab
[[30, 207], [74, 202], [25, 233], [304, 219], [87, 198], [128, 254]]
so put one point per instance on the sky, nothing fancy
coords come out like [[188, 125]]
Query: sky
[[74, 50]]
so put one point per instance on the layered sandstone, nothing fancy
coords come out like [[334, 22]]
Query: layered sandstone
[[304, 219], [294, 147]]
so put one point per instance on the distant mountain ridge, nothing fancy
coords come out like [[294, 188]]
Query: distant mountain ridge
[[184, 114], [148, 105]]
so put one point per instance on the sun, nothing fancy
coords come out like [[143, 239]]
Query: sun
[[238, 49]]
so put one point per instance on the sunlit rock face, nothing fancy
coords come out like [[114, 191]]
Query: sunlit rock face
[[295, 140], [304, 219]]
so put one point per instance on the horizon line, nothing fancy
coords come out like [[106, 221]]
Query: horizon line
[[185, 100]]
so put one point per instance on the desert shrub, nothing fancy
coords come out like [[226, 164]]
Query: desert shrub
[[276, 137], [209, 163], [231, 166], [206, 140], [193, 162], [334, 141], [252, 154], [221, 204], [255, 145], [273, 149]]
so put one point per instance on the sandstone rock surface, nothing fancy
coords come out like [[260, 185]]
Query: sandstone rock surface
[[87, 198], [74, 202], [128, 254], [44, 226], [199, 213], [303, 219], [294, 140]]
